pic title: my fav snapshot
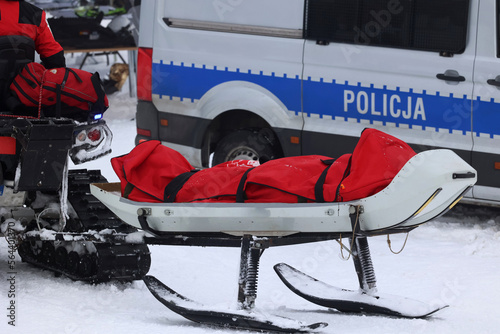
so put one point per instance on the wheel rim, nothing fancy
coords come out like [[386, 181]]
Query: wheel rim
[[243, 153]]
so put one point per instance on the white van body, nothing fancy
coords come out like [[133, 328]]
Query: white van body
[[307, 76]]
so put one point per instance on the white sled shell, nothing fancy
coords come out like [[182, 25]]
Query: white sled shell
[[427, 186]]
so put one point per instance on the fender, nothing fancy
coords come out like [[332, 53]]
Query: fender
[[243, 95]]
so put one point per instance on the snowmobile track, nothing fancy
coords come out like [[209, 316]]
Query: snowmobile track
[[93, 261]]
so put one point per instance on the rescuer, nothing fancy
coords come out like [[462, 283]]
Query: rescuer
[[20, 18]]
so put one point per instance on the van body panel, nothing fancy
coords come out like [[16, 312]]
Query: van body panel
[[486, 103]]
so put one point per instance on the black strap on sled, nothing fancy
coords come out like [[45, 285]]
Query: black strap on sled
[[346, 174], [318, 187], [59, 88], [99, 105], [240, 191], [72, 72], [128, 189], [175, 185]]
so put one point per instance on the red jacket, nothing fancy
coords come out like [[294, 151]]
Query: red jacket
[[25, 19]]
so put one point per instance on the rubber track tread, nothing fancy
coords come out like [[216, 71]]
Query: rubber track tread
[[114, 261]]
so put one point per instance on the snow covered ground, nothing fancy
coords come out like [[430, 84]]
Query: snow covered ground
[[454, 260]]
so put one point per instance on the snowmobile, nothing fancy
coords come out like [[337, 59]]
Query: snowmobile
[[428, 185], [58, 224], [47, 212]]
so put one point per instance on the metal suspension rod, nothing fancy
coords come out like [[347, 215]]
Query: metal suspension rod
[[249, 271], [361, 254]]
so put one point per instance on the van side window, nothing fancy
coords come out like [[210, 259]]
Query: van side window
[[439, 25]]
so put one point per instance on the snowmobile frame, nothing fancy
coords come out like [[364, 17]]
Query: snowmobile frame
[[429, 185]]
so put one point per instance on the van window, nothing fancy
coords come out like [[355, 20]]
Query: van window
[[439, 25]]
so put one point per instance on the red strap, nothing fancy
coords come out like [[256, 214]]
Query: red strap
[[41, 94]]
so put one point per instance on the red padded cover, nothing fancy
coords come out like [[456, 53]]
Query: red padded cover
[[147, 170], [80, 92]]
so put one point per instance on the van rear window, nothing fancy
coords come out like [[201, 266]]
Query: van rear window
[[439, 25]]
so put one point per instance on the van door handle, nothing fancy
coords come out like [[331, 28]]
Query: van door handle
[[494, 82], [450, 75]]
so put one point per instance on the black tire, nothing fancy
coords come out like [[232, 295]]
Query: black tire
[[247, 145]]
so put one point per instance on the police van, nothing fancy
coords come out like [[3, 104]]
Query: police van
[[229, 79]]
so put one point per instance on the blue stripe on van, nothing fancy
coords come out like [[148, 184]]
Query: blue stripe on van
[[486, 117], [339, 100], [189, 82], [387, 106]]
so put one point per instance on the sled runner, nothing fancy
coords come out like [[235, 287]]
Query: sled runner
[[428, 184]]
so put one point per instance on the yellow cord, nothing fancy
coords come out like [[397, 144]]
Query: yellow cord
[[402, 248], [342, 249], [352, 240]]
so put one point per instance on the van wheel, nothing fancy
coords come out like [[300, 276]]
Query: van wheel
[[246, 145]]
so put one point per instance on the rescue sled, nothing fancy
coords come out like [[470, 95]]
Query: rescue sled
[[427, 186]]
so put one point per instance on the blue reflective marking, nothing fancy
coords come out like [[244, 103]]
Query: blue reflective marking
[[327, 98], [192, 83], [486, 117], [407, 107], [1, 190]]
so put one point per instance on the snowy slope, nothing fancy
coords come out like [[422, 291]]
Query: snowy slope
[[454, 260]]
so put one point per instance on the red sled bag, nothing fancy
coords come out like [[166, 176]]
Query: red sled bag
[[152, 172], [59, 92]]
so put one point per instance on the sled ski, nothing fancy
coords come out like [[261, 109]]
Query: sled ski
[[366, 300], [240, 319], [349, 301]]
